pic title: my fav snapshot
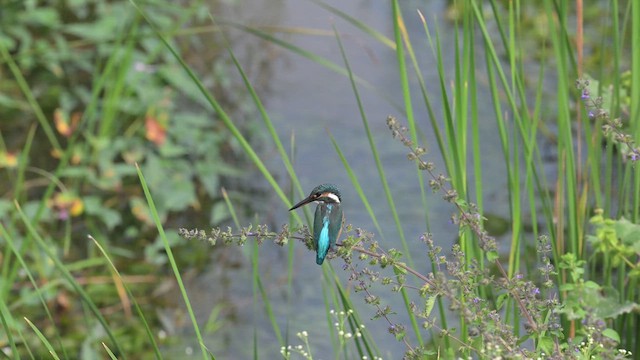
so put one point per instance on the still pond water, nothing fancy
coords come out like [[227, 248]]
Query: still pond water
[[306, 100]]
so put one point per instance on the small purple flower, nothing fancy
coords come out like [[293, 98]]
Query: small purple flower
[[591, 115], [634, 156], [585, 94], [63, 214], [535, 291]]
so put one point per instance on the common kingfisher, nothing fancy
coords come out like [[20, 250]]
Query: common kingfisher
[[327, 224]]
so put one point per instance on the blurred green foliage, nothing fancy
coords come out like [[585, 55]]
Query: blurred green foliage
[[111, 97]]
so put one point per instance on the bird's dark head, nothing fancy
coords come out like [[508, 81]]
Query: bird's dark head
[[327, 193]]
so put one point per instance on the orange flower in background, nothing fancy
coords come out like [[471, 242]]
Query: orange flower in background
[[8, 159], [65, 126], [156, 127], [76, 157]]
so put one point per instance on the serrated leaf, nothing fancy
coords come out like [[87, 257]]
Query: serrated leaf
[[99, 31], [492, 255], [429, 304], [611, 334]]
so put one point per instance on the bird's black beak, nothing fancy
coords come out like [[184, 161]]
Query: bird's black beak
[[302, 203]]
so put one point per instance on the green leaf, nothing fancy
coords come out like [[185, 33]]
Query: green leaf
[[100, 31], [492, 255], [40, 16], [219, 213], [429, 304], [93, 206], [567, 287], [611, 334], [546, 344], [610, 308]]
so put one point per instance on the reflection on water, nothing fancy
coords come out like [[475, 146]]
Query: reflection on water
[[305, 100]]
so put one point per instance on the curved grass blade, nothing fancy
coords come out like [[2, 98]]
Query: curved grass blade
[[31, 99], [135, 303], [378, 36], [70, 279], [221, 114], [356, 184], [42, 338], [315, 58], [172, 261], [111, 354], [6, 319], [9, 240]]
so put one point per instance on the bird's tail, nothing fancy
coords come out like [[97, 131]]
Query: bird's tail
[[320, 257]]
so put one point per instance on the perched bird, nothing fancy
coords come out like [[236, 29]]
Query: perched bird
[[327, 224]]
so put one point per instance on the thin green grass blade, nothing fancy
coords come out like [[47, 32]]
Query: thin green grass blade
[[356, 183], [111, 354], [115, 271], [118, 90], [267, 304], [634, 120], [222, 115], [634, 116], [43, 339], [432, 118], [67, 275], [385, 184], [565, 134], [7, 323], [22, 165], [366, 345], [435, 127], [172, 261], [315, 58], [268, 123], [382, 176], [329, 299], [230, 207], [376, 35], [9, 241], [45, 124]]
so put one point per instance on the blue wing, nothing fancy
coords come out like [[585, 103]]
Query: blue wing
[[327, 226], [323, 242]]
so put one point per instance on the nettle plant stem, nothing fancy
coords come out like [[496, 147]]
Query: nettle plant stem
[[468, 214], [362, 243]]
